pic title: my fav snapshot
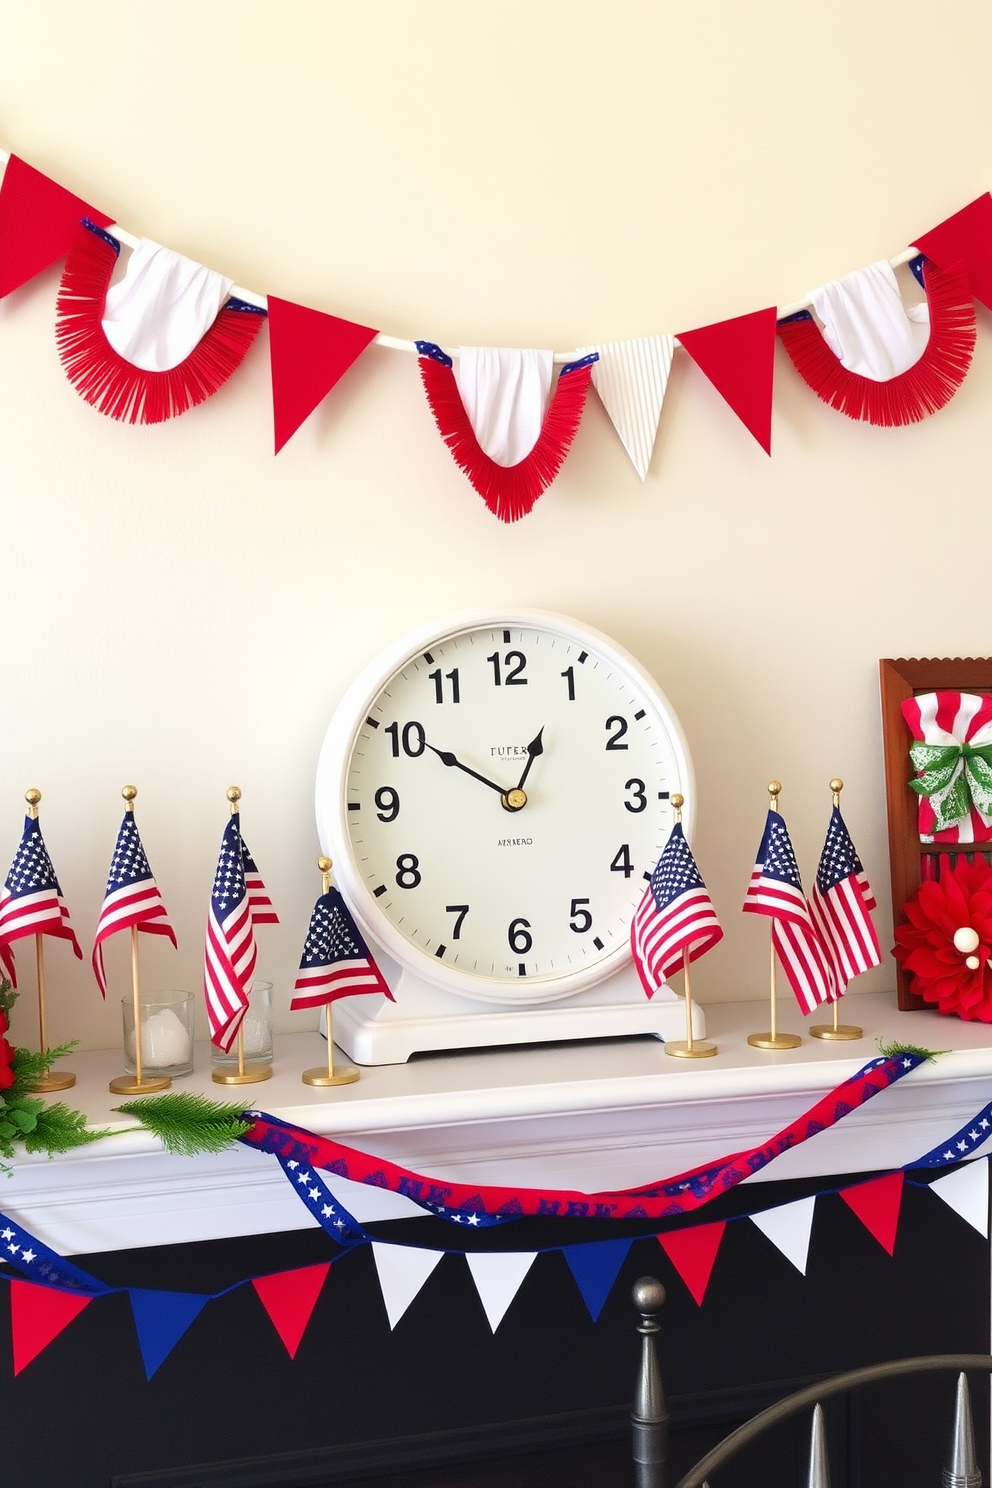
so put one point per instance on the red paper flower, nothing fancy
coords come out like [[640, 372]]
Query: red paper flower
[[960, 899]]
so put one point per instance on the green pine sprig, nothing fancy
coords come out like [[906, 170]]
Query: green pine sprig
[[894, 1047], [188, 1123]]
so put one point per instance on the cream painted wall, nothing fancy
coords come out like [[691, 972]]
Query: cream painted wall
[[180, 609]]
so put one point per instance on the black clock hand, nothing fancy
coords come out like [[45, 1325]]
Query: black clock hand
[[534, 748], [447, 758]]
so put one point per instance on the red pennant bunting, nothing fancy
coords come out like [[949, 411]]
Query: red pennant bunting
[[309, 351], [38, 221], [37, 1315], [289, 1297], [965, 237], [877, 1206], [692, 1252], [738, 357]]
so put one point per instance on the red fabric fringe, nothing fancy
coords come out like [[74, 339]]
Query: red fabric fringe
[[115, 386], [509, 491], [914, 394]]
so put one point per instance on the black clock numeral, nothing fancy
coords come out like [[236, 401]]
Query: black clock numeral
[[413, 736], [613, 742], [461, 910], [388, 801], [514, 662], [581, 919], [452, 677], [640, 800], [569, 675], [408, 874], [519, 936], [621, 863]]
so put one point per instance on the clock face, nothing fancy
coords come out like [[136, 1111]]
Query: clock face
[[494, 799]]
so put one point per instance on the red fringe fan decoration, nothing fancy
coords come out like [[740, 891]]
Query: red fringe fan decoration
[[914, 394], [112, 384], [509, 491]]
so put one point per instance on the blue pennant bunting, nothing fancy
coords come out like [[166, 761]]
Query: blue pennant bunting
[[595, 1268], [160, 1320]]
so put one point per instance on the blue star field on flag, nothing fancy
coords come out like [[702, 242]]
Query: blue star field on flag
[[32, 902], [336, 962]]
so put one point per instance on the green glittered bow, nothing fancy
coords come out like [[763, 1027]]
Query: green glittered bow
[[955, 777]]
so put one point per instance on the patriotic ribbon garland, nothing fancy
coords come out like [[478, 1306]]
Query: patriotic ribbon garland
[[459, 1202]]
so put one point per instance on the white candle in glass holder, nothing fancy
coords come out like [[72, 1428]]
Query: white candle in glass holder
[[164, 1040]]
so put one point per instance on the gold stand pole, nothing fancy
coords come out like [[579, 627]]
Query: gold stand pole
[[247, 1072], [773, 1039], [836, 1029], [344, 1074], [139, 1083], [689, 1048], [55, 1079]]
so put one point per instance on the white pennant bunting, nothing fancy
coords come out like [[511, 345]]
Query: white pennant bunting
[[498, 1278], [630, 378], [366, 1203], [967, 1193], [403, 1271], [788, 1228]]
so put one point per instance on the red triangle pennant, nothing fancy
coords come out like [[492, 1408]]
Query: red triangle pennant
[[309, 351], [738, 357], [38, 221], [692, 1252], [877, 1206], [37, 1315], [965, 237], [289, 1297]]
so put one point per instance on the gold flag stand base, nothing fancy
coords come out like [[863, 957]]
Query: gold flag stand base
[[131, 1085], [836, 1031], [343, 1074], [248, 1074], [774, 1040], [698, 1049], [54, 1080]]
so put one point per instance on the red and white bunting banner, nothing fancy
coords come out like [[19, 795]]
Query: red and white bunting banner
[[788, 1227], [403, 1271], [967, 1193], [631, 378], [309, 352], [693, 1253], [738, 357], [877, 1206], [498, 1278], [289, 1298]]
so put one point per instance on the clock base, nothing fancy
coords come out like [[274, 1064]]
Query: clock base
[[372, 1030]]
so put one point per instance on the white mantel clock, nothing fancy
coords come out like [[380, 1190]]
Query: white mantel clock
[[494, 790]]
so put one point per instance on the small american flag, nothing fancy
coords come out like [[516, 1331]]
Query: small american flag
[[336, 961], [777, 890], [675, 915], [31, 902], [842, 903], [132, 896], [258, 895], [229, 953]]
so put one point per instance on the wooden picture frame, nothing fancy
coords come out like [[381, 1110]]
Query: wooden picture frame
[[898, 680]]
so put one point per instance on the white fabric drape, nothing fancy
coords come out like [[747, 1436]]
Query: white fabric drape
[[164, 304], [505, 393], [867, 326]]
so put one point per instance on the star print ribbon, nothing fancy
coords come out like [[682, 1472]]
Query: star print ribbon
[[342, 1227], [954, 777], [35, 1260], [964, 1142]]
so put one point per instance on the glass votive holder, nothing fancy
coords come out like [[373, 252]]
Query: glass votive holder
[[167, 1026], [257, 1029]]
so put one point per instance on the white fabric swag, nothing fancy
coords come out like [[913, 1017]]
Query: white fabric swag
[[164, 304], [867, 326], [505, 394]]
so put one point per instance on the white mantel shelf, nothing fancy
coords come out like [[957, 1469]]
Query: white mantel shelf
[[604, 1115]]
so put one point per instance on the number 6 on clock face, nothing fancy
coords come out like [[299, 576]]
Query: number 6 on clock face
[[494, 791]]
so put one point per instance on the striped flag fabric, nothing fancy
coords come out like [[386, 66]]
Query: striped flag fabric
[[31, 902], [132, 897], [841, 905], [229, 952], [776, 890], [675, 915], [258, 895], [336, 962]]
